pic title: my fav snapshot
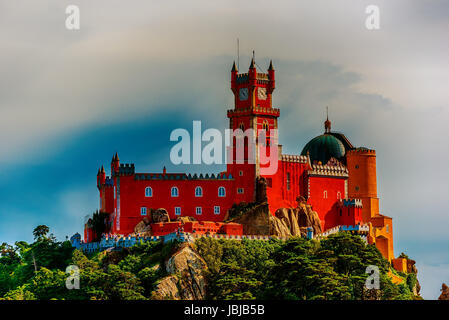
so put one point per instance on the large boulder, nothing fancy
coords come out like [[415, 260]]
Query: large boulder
[[295, 221], [255, 218], [444, 292], [143, 226], [186, 280], [286, 221], [185, 219], [160, 215]]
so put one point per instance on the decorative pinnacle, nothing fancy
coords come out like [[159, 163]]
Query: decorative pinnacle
[[271, 66], [102, 169], [116, 157], [253, 64], [234, 68], [327, 123]]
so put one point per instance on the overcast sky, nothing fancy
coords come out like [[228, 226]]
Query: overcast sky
[[134, 72]]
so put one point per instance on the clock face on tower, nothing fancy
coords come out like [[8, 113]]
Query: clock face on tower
[[262, 93], [243, 94]]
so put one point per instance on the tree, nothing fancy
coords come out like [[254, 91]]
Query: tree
[[40, 232]]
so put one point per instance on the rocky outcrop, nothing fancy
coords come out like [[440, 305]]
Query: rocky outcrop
[[444, 292], [144, 226], [185, 219], [186, 280], [255, 219], [411, 268], [286, 221], [295, 221], [160, 215]]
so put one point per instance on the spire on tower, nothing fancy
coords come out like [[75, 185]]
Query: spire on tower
[[327, 123], [234, 68], [116, 157], [271, 65], [253, 62], [102, 169]]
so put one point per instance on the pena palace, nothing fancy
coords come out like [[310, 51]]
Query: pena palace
[[336, 178]]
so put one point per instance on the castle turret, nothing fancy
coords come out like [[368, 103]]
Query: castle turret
[[271, 76], [252, 77], [101, 177], [362, 182], [115, 164]]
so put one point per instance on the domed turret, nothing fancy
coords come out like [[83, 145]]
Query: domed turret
[[325, 146]]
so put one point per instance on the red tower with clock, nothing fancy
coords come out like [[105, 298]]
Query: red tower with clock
[[253, 110]]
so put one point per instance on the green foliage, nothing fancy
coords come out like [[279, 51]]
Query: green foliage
[[331, 269], [99, 223], [40, 232]]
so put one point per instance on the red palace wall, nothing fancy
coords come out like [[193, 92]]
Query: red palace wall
[[278, 193], [326, 205], [132, 198]]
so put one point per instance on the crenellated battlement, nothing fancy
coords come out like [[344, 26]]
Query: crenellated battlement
[[294, 158], [361, 229], [357, 203], [361, 150], [126, 169], [268, 111], [337, 170], [182, 176], [109, 182]]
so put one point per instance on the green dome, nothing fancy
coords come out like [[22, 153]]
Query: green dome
[[324, 147]]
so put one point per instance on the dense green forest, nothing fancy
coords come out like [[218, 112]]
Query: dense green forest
[[333, 268]]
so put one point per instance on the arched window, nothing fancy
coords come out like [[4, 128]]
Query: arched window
[[148, 192], [325, 194], [242, 126], [265, 125], [221, 192], [174, 192], [198, 192]]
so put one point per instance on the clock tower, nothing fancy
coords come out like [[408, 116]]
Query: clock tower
[[252, 110]]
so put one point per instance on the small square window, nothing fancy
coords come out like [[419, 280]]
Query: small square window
[[143, 211], [240, 190], [216, 209], [199, 210], [178, 211], [240, 173]]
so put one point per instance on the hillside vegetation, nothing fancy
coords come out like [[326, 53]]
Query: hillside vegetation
[[333, 268]]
